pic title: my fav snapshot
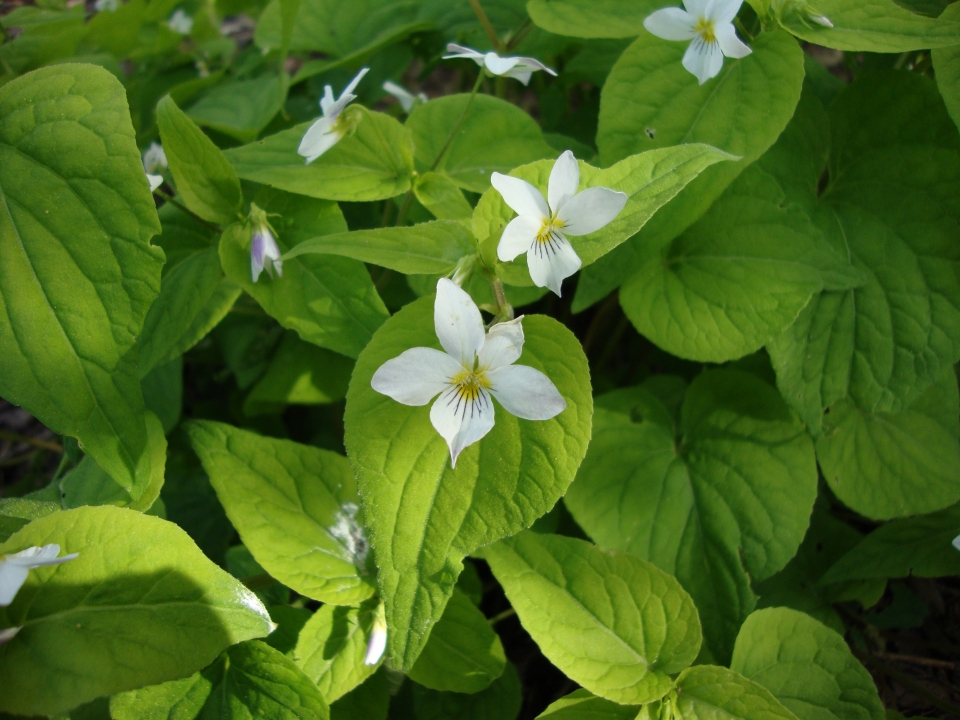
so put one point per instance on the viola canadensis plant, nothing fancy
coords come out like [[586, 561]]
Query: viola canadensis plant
[[474, 367], [642, 368]]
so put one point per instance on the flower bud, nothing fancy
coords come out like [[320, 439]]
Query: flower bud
[[264, 252], [378, 638]]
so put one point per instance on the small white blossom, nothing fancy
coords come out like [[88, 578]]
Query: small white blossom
[[109, 5], [519, 68], [540, 229], [709, 24], [328, 130], [155, 181], [822, 20], [15, 568], [473, 369], [180, 22], [406, 99], [8, 634], [264, 252], [154, 158], [378, 638], [956, 542]]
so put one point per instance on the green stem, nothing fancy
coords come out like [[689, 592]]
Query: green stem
[[404, 209], [35, 442], [520, 35], [456, 128], [167, 198], [502, 616], [487, 25], [504, 310]]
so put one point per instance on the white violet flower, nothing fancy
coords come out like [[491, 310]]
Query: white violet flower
[[519, 68], [406, 99], [956, 542], [180, 22], [154, 158], [15, 568], [709, 24], [329, 130], [473, 368], [111, 5], [541, 230], [264, 252], [378, 638]]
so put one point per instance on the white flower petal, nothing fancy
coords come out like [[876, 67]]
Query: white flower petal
[[517, 236], [461, 51], [503, 346], [552, 262], [703, 59], [591, 210], [352, 85], [730, 44], [458, 323], [671, 24], [522, 197], [532, 64], [7, 634], [319, 138], [406, 100], [564, 181], [697, 8], [956, 542], [519, 73], [460, 420], [722, 11], [526, 392], [155, 181], [12, 577], [327, 100], [377, 644], [499, 65], [416, 376]]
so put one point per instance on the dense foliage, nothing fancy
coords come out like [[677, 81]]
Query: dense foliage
[[302, 476]]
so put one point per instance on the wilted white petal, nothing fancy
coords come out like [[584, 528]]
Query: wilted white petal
[[462, 418], [155, 181], [703, 59], [503, 346], [564, 181], [551, 262], [8, 634], [722, 11], [526, 392], [458, 323], [822, 20], [671, 24], [591, 210], [180, 22], [416, 376], [522, 197], [499, 65], [12, 577], [517, 236], [729, 43]]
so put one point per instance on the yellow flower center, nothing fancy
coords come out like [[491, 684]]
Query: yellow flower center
[[549, 229], [468, 385], [704, 28]]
